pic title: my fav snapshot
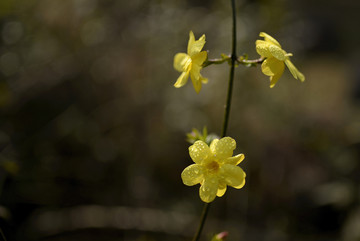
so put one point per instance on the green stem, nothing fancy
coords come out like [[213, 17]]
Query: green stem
[[240, 60], [214, 61], [202, 221], [227, 110], [232, 70], [249, 62], [2, 235]]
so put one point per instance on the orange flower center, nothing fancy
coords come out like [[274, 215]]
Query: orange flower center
[[212, 167]]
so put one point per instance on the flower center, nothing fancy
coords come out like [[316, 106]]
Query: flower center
[[212, 167]]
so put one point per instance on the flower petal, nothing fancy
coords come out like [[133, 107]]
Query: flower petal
[[272, 66], [204, 80], [196, 77], [195, 47], [270, 39], [213, 145], [209, 188], [191, 40], [301, 76], [232, 175], [240, 185], [182, 62], [235, 160], [197, 84], [294, 71], [221, 189], [195, 72], [192, 175], [223, 148], [199, 58], [181, 81], [274, 79], [199, 152], [277, 52], [262, 48]]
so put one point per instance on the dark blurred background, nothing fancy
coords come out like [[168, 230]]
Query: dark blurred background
[[92, 131]]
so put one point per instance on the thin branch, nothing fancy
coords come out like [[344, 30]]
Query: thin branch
[[2, 235], [232, 72], [202, 221]]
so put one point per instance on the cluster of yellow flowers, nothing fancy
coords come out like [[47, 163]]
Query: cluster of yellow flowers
[[215, 168], [275, 57]]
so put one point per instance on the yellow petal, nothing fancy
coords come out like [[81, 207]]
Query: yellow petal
[[277, 52], [294, 71], [191, 40], [223, 148], [181, 81], [196, 77], [209, 188], [274, 79], [213, 145], [221, 189], [182, 62], [235, 160], [262, 48], [199, 58], [197, 84], [195, 72], [199, 152], [301, 76], [232, 175], [204, 80], [272, 66], [195, 46], [240, 185], [192, 175], [270, 39]]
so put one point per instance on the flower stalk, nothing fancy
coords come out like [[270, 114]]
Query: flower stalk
[[240, 60], [2, 235], [227, 110], [232, 70], [202, 221]]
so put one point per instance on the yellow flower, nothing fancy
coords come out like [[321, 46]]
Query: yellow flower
[[191, 63], [273, 65], [214, 168]]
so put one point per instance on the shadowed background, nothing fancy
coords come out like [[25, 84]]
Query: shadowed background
[[92, 131]]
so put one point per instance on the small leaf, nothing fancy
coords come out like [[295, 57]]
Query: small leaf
[[196, 135], [204, 131]]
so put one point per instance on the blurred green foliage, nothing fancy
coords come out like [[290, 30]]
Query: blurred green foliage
[[196, 135]]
